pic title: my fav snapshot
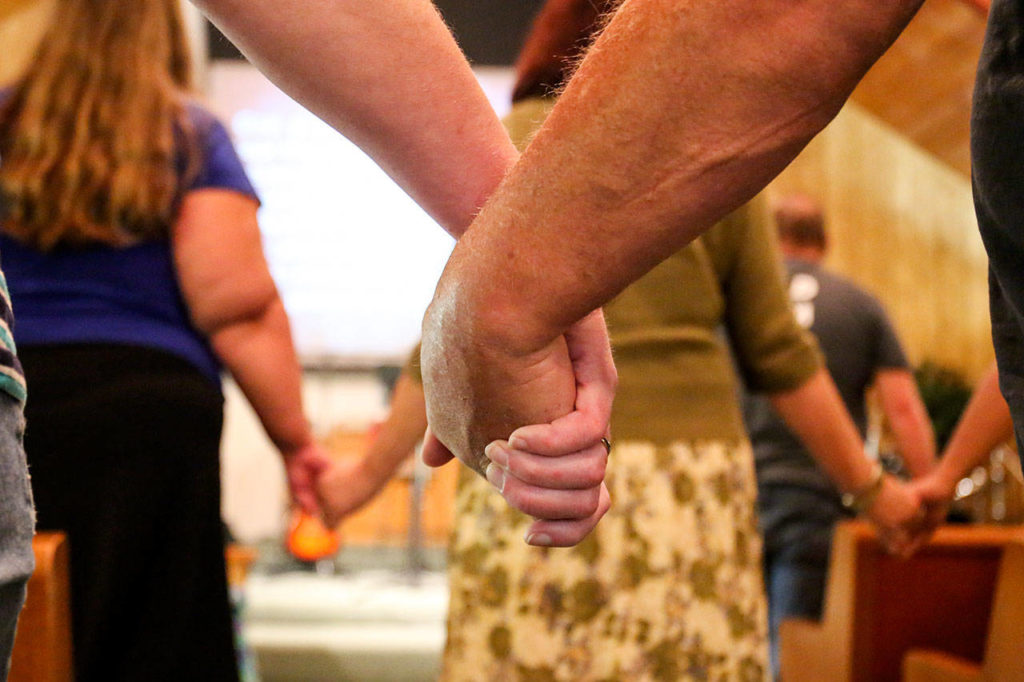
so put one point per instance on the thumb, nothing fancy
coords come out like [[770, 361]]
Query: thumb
[[928, 491], [434, 452]]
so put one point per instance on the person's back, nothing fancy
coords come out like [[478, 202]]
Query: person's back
[[798, 505], [132, 249], [856, 340]]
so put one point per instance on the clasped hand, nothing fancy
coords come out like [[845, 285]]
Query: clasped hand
[[478, 390], [903, 518]]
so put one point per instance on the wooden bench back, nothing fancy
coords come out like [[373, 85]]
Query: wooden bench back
[[42, 646], [877, 606]]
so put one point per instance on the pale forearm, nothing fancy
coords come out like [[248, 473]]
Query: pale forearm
[[391, 78], [680, 113], [401, 430], [258, 352], [351, 483], [815, 413], [984, 425]]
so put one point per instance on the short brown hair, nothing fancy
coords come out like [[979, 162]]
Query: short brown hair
[[800, 222]]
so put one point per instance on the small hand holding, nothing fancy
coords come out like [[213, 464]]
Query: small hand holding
[[565, 492]]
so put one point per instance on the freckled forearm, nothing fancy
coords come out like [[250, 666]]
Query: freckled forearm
[[681, 112]]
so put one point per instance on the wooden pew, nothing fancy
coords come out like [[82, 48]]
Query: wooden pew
[[878, 607], [42, 645], [1004, 647]]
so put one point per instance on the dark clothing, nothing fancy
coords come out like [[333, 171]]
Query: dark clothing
[[797, 503], [124, 458], [857, 340], [17, 520], [997, 160], [12, 379], [122, 441], [796, 568]]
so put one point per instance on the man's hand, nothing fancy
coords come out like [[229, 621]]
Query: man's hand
[[936, 491], [902, 522], [478, 392]]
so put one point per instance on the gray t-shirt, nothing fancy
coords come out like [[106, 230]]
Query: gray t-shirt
[[857, 341]]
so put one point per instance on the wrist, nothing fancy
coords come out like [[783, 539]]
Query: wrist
[[467, 314], [492, 294], [946, 478], [294, 447], [859, 499], [377, 469]]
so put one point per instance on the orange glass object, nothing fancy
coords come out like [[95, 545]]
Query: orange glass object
[[309, 540]]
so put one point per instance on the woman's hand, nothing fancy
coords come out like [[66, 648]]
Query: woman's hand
[[898, 515]]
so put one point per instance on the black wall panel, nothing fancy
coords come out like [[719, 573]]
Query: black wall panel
[[489, 31]]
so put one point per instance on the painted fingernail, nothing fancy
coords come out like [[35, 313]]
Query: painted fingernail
[[497, 454], [538, 539], [496, 476]]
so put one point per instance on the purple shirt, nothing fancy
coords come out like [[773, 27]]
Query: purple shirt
[[130, 295]]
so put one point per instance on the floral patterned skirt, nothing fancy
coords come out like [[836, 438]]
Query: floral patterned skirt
[[667, 587]]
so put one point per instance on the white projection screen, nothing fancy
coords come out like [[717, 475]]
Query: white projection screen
[[355, 259]]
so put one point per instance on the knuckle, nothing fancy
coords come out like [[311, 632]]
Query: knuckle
[[590, 502], [545, 441], [575, 538], [593, 473]]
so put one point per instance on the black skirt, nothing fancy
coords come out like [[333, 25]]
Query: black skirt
[[122, 445]]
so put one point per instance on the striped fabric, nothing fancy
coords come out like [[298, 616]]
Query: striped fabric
[[12, 378]]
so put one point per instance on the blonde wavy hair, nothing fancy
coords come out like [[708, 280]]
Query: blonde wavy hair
[[91, 138]]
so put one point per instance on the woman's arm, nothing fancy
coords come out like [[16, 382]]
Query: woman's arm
[[815, 413], [232, 299], [985, 424], [390, 77]]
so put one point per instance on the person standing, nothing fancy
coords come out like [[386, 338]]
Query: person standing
[[797, 503], [132, 252]]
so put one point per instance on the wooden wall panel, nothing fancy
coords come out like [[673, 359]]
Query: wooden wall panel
[[922, 86], [902, 224]]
